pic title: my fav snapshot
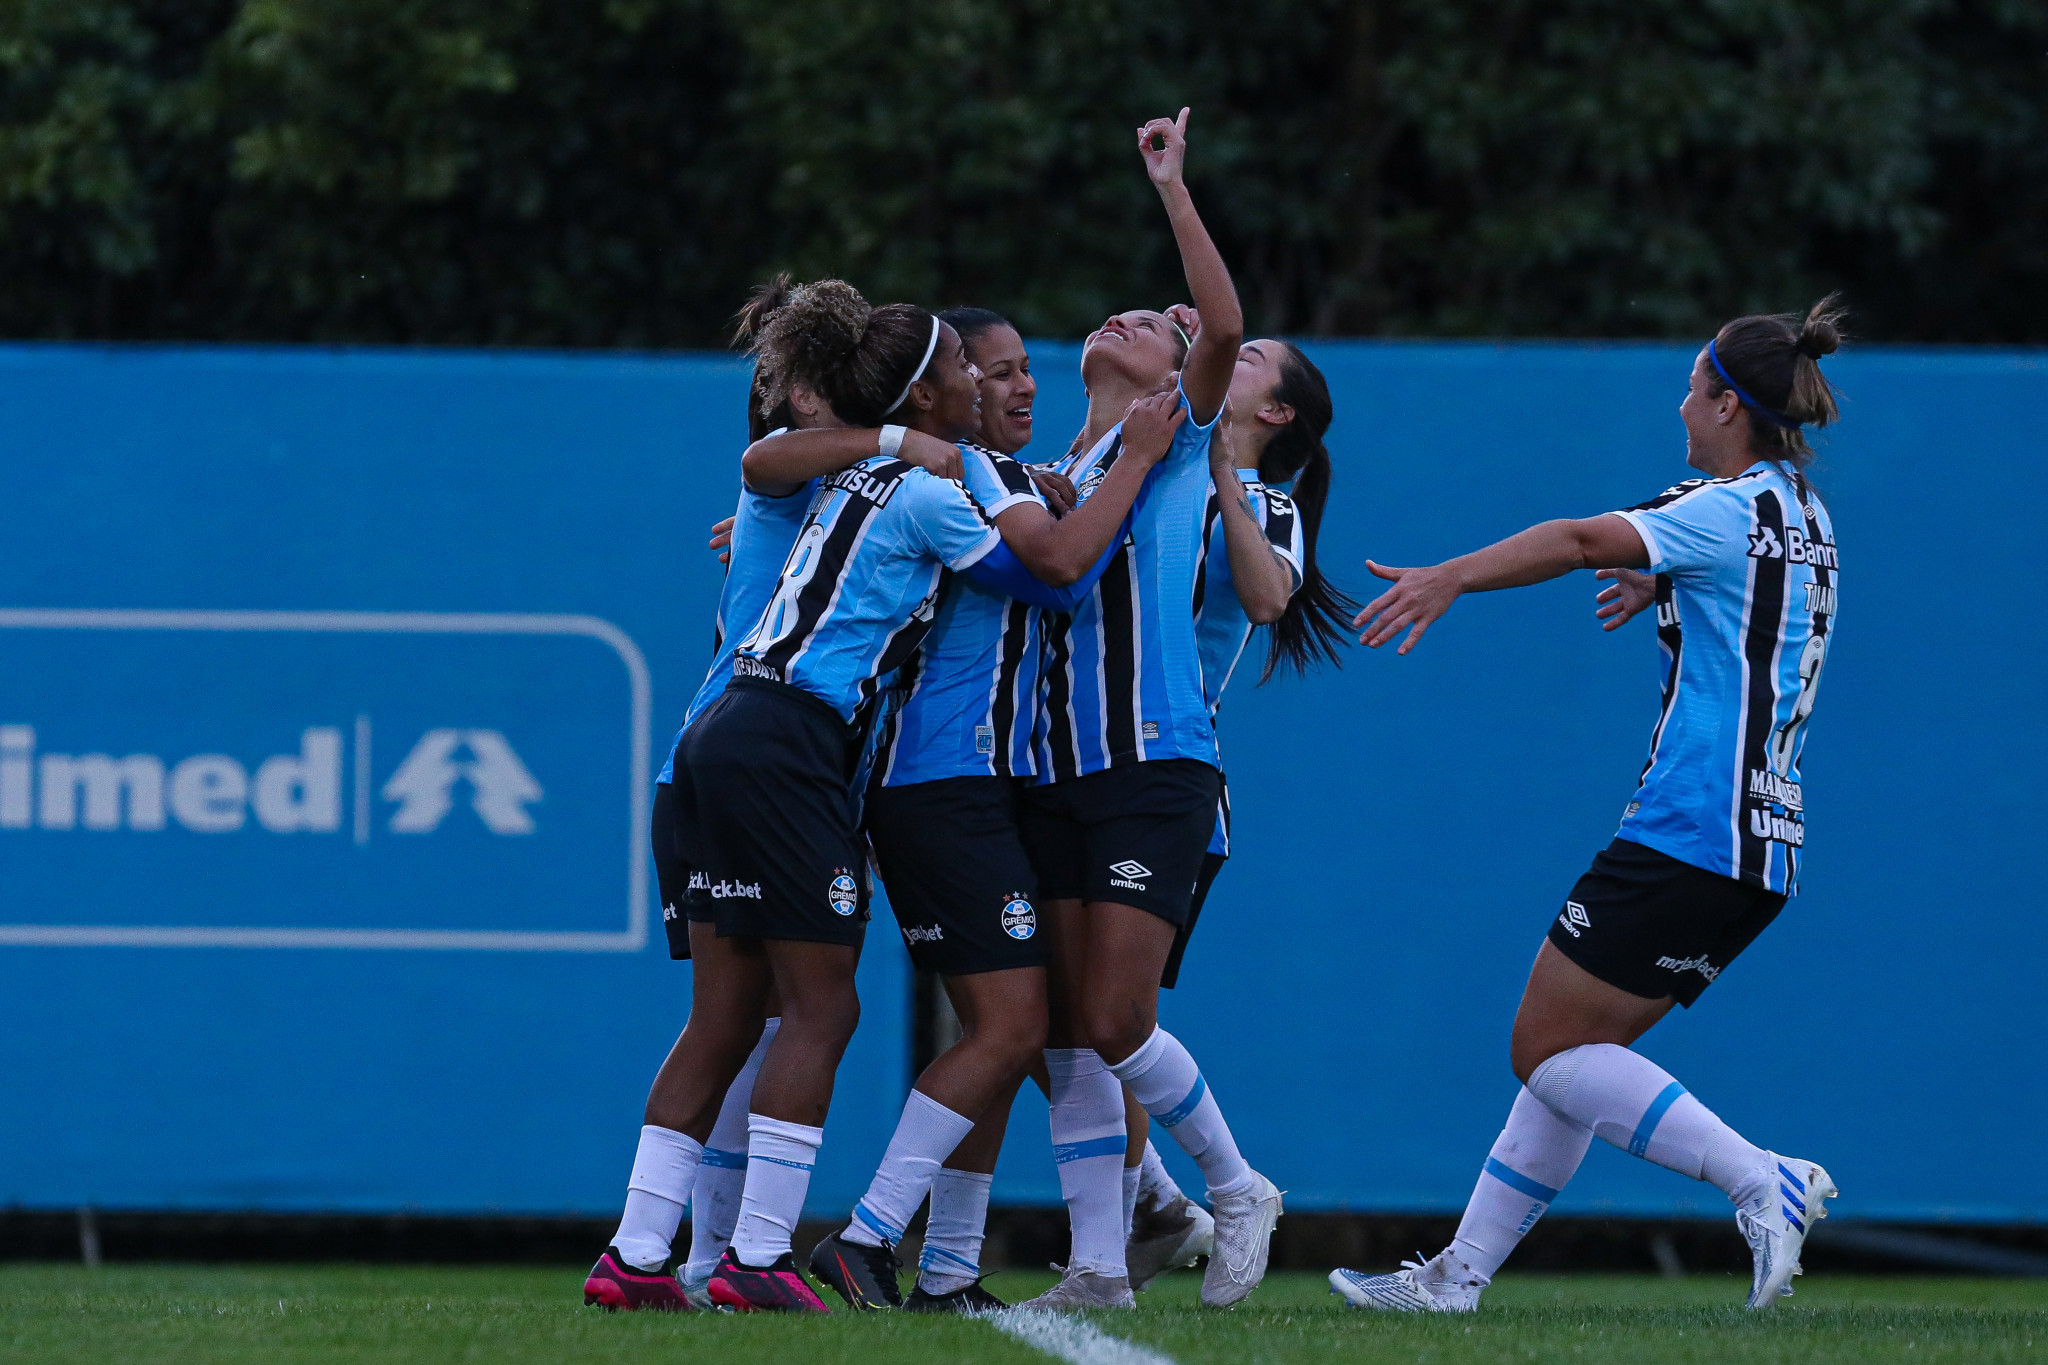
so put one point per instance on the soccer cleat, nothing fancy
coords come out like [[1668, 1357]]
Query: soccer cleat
[[778, 1289], [968, 1298], [1165, 1236], [617, 1285], [864, 1276], [1084, 1289], [698, 1292], [1244, 1239], [1775, 1225], [1414, 1288]]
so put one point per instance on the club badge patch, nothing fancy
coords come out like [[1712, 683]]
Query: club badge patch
[[1020, 921], [844, 895]]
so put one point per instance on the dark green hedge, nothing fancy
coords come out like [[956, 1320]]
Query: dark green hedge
[[576, 172]]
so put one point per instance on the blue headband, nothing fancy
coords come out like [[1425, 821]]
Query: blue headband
[[1771, 415]]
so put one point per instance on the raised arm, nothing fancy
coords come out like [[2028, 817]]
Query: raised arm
[[1550, 550], [1205, 375], [1062, 551], [776, 466]]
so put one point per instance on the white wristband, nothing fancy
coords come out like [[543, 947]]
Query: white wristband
[[892, 440]]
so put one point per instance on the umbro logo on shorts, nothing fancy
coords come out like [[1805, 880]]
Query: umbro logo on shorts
[[1127, 873], [1575, 919]]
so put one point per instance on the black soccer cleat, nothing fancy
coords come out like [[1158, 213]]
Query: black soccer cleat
[[969, 1298], [864, 1276]]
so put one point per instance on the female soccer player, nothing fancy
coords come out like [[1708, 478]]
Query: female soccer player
[[1708, 847], [1260, 570], [1127, 788], [632, 1274]]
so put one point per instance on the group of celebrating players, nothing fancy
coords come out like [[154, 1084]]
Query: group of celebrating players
[[997, 683]]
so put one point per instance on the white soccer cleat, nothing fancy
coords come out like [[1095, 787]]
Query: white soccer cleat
[[1416, 1287], [698, 1292], [1775, 1224], [1177, 1233], [1082, 1290], [1243, 1241]]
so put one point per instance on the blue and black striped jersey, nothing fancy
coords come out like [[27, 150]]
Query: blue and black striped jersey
[[1221, 626], [965, 704], [763, 530], [1123, 671], [861, 585], [1746, 579]]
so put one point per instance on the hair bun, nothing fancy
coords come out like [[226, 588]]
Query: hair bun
[[1820, 335]]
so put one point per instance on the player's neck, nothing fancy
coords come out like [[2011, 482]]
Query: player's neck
[[1108, 401]]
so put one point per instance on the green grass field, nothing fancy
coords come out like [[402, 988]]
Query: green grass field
[[168, 1314]]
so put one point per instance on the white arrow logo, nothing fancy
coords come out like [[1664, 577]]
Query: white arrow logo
[[499, 783]]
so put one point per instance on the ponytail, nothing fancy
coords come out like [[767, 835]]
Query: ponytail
[[762, 415], [1772, 361], [1319, 614], [860, 358]]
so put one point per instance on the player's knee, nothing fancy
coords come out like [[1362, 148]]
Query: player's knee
[[1114, 1033], [1527, 1050]]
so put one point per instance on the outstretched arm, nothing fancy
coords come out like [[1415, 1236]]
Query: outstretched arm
[[776, 466], [1205, 375], [1061, 551], [1536, 555]]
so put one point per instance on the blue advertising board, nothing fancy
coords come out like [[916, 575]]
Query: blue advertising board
[[331, 683]]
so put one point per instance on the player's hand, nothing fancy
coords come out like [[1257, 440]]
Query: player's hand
[[1057, 488], [1222, 461], [932, 455], [721, 540], [1163, 163], [1417, 598], [1633, 591], [1185, 318], [1149, 425]]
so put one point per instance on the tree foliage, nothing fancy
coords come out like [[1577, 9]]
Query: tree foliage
[[616, 172]]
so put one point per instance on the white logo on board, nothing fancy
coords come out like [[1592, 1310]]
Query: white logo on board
[[500, 785]]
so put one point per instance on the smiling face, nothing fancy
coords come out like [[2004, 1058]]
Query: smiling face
[[1709, 422], [1140, 348], [946, 400], [1007, 389]]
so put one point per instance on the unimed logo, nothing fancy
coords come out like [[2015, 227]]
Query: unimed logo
[[288, 793]]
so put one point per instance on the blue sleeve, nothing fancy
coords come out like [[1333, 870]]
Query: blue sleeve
[[1001, 571]]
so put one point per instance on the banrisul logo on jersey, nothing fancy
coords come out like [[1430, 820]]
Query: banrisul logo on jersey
[[322, 780]]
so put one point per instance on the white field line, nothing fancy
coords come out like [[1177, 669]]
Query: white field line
[[1073, 1339]]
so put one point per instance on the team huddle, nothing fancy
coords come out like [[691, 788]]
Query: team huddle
[[996, 684]]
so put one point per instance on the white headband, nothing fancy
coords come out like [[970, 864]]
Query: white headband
[[917, 373]]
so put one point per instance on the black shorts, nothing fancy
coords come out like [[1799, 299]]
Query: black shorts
[[954, 866], [1648, 924], [1169, 975], [684, 889], [768, 767], [1132, 836]]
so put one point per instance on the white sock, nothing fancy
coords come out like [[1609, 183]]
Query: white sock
[[1131, 1177], [779, 1160], [722, 1175], [664, 1168], [1531, 1160], [1170, 1087], [1156, 1186], [953, 1231], [925, 1136], [1631, 1102], [1086, 1114]]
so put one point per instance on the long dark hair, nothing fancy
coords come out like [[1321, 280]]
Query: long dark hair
[[763, 416], [1318, 616], [1775, 359], [857, 356]]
